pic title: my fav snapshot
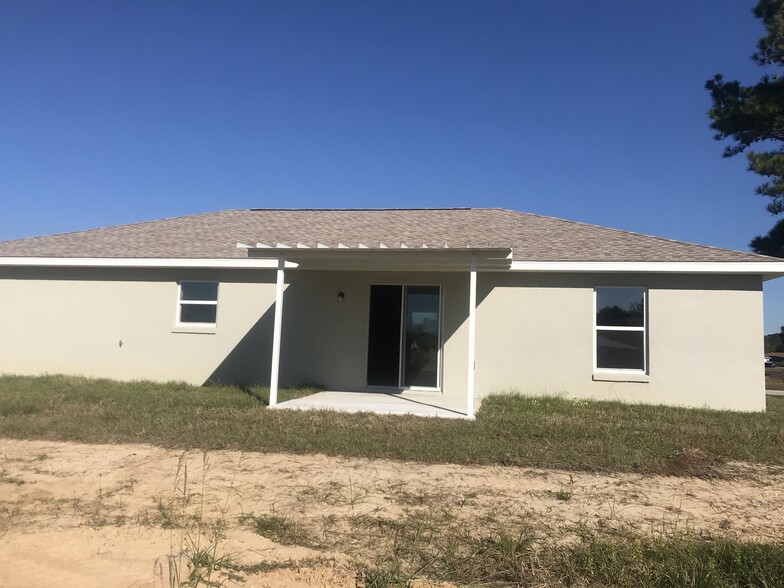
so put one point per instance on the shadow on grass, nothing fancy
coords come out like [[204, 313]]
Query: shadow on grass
[[255, 394]]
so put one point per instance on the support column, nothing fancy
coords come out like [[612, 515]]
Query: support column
[[471, 338], [275, 369]]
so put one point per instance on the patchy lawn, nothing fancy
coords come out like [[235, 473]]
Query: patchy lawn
[[509, 430]]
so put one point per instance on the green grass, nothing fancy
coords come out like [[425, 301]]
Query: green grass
[[509, 430], [774, 378], [281, 529], [432, 542], [682, 562], [621, 562]]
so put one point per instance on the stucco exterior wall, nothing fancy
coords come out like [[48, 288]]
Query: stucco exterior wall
[[325, 341], [535, 336], [534, 331], [72, 321]]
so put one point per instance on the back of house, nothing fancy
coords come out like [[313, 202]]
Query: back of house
[[456, 303]]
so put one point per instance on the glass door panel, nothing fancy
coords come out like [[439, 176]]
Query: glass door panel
[[421, 336], [383, 366]]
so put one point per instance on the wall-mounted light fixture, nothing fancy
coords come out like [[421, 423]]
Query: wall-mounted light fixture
[[341, 296]]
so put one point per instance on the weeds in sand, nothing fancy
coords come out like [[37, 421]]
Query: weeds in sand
[[107, 507], [6, 478], [196, 555], [8, 516], [280, 529], [388, 578], [430, 542], [563, 494], [345, 494], [467, 499], [204, 563], [419, 498], [197, 562], [167, 515]]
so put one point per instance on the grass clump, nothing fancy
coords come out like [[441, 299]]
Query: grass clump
[[280, 529], [622, 561], [687, 562], [510, 430], [6, 478], [378, 578], [429, 543]]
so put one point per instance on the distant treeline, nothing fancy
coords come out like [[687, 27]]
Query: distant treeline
[[774, 342]]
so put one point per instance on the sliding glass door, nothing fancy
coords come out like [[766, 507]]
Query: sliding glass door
[[420, 349], [404, 336]]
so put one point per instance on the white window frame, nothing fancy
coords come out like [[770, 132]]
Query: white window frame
[[643, 329], [180, 302]]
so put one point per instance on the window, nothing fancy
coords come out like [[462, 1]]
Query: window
[[620, 329], [198, 303]]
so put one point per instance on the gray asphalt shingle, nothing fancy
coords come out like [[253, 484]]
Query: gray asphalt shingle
[[215, 236]]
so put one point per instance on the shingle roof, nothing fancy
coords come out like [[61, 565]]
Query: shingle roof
[[215, 236]]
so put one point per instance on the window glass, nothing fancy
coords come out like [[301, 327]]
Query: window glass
[[621, 329], [198, 303], [421, 336], [620, 350], [198, 313], [620, 307], [199, 291]]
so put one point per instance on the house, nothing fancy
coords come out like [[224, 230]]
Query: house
[[450, 304]]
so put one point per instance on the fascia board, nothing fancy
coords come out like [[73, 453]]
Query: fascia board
[[767, 269], [128, 262]]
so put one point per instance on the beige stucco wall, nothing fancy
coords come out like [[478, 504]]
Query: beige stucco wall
[[534, 331], [325, 341], [72, 321], [535, 336]]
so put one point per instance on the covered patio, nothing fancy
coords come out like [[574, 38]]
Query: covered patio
[[397, 388], [410, 403]]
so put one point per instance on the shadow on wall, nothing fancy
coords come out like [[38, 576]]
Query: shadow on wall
[[249, 362], [315, 338]]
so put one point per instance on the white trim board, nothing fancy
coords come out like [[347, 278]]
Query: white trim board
[[768, 269], [142, 262]]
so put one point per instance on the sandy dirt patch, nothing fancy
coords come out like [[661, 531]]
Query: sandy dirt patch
[[117, 515]]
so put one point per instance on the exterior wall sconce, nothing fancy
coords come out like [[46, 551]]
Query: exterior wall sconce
[[341, 296]]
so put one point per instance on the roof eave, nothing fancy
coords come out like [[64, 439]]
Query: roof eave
[[490, 260], [141, 262], [767, 269]]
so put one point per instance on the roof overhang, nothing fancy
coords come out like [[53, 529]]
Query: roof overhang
[[141, 262], [767, 269], [407, 259]]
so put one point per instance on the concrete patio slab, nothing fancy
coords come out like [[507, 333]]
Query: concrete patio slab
[[426, 405]]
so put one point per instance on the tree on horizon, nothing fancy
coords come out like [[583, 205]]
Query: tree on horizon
[[754, 116]]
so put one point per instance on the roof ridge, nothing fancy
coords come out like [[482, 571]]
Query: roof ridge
[[360, 209], [665, 239]]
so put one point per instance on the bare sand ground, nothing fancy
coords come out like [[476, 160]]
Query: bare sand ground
[[117, 515]]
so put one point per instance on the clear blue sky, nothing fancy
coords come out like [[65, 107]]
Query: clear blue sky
[[115, 112]]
